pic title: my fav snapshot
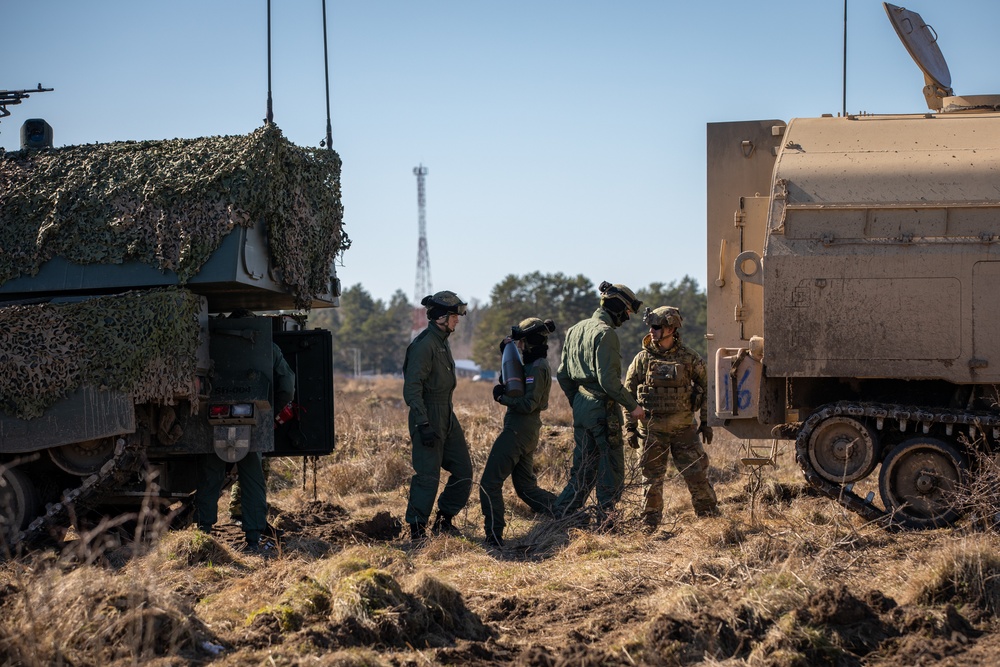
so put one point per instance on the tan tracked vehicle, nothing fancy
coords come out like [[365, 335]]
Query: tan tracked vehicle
[[854, 267], [120, 364]]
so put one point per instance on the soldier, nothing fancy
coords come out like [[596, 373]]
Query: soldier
[[438, 440], [249, 469], [513, 452], [669, 381], [590, 376]]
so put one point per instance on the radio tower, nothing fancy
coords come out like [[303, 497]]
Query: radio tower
[[423, 284]]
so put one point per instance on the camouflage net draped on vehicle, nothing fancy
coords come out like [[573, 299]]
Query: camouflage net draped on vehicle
[[171, 203], [141, 343]]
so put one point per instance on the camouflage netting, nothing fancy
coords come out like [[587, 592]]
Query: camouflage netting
[[142, 343], [171, 203]]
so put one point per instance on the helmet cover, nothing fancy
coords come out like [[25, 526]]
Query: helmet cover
[[621, 293], [533, 329], [664, 316], [443, 303]]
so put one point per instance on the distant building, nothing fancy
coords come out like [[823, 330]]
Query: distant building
[[466, 368]]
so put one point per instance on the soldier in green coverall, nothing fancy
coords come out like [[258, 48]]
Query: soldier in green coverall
[[590, 376], [513, 452], [250, 471], [669, 380], [438, 440]]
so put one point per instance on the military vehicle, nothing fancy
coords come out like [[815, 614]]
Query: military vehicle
[[853, 264], [120, 366]]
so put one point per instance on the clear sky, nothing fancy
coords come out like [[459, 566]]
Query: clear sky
[[559, 135]]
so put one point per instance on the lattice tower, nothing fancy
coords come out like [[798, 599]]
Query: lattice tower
[[423, 283]]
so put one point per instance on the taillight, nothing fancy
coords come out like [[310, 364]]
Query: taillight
[[218, 411], [243, 410]]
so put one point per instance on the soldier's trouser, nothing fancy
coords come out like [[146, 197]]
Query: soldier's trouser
[[451, 454], [598, 457], [253, 500], [236, 495], [512, 455], [690, 459]]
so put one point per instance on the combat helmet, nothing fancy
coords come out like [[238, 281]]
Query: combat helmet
[[533, 330], [664, 316], [442, 303], [619, 301]]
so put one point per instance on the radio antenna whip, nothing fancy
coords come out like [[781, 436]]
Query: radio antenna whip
[[326, 68], [270, 112], [844, 95]]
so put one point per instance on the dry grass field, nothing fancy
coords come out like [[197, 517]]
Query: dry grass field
[[781, 578]]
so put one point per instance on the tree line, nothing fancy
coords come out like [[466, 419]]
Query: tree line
[[371, 335]]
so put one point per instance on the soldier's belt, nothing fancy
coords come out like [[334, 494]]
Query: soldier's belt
[[593, 393]]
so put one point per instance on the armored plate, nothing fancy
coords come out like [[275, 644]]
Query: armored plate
[[920, 41]]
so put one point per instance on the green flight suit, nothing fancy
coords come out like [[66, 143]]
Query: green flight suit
[[513, 452], [428, 385], [250, 491], [590, 376], [666, 382], [283, 382]]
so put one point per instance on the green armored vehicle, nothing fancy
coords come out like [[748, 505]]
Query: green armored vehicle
[[119, 364], [854, 267]]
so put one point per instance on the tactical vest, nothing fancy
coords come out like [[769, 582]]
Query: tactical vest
[[667, 387]]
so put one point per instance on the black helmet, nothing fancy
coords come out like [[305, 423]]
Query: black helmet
[[664, 316], [442, 303], [618, 299], [533, 330]]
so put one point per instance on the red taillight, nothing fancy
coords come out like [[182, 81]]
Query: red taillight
[[218, 411]]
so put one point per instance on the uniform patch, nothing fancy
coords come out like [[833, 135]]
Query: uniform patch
[[530, 379]]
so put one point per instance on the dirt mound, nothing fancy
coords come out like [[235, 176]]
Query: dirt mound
[[680, 641], [855, 626], [382, 526], [576, 654], [369, 608], [317, 528]]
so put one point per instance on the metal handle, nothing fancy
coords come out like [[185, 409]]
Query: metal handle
[[721, 280]]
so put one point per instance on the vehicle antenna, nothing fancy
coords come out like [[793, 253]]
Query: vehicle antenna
[[326, 67], [844, 87], [270, 112]]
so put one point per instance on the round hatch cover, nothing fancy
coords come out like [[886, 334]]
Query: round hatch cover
[[920, 41]]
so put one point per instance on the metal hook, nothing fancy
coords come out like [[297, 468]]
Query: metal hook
[[747, 147]]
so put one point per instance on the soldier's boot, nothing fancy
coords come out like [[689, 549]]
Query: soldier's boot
[[608, 520], [443, 525], [652, 510], [493, 539], [703, 497], [650, 522], [418, 531], [707, 510]]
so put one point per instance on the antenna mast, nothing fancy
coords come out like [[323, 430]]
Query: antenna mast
[[423, 283], [844, 86]]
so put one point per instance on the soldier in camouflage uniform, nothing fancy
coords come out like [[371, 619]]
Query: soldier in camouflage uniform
[[590, 376], [513, 453], [669, 380], [437, 437]]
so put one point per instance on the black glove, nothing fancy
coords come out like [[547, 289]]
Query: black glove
[[632, 436], [498, 391], [706, 433], [428, 436]]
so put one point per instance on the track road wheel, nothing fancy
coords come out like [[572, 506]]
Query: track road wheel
[[919, 483], [843, 450], [83, 458], [19, 502]]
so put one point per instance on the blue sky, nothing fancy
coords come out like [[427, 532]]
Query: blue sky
[[560, 135]]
